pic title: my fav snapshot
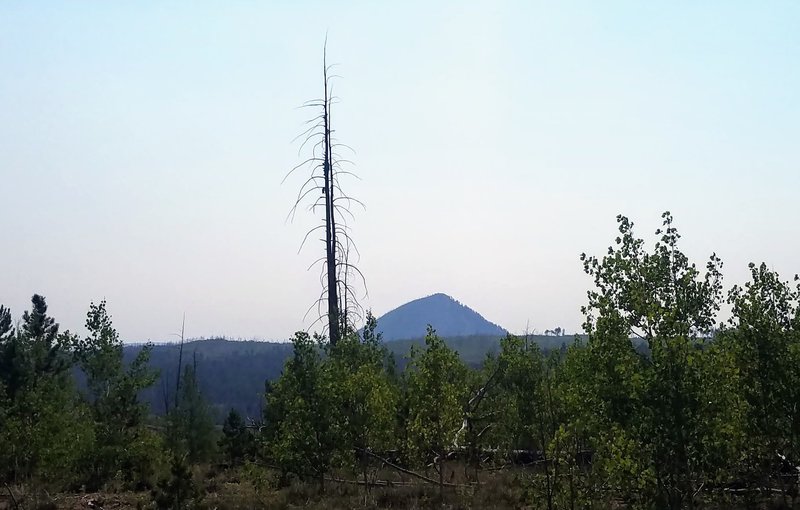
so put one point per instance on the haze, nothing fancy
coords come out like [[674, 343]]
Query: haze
[[142, 147]]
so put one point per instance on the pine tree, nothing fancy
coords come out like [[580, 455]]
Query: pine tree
[[45, 429], [237, 443], [113, 394], [190, 424]]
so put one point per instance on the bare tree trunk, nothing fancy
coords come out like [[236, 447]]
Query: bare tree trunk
[[330, 217], [180, 362], [324, 182], [13, 498], [441, 477]]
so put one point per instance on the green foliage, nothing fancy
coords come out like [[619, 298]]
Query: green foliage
[[328, 411], [45, 434], [521, 376], [661, 421], [237, 443], [363, 395], [8, 355], [658, 408], [529, 406], [299, 431], [119, 417], [179, 491], [231, 373], [36, 352], [190, 424], [45, 428], [436, 393], [763, 340]]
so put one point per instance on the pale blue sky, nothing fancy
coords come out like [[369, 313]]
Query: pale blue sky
[[142, 145]]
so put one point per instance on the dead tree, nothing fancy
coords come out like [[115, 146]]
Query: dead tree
[[338, 276]]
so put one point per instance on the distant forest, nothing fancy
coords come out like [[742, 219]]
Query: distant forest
[[232, 374]]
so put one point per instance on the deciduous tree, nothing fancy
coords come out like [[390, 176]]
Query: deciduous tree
[[437, 392], [666, 417]]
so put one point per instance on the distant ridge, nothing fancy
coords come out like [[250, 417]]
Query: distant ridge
[[232, 373], [448, 317]]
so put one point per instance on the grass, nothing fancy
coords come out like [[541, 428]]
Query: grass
[[253, 487]]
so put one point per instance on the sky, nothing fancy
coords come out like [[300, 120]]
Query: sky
[[143, 144]]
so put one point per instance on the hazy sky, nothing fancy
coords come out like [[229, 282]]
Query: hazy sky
[[142, 147]]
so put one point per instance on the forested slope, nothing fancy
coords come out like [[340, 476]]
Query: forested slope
[[232, 373]]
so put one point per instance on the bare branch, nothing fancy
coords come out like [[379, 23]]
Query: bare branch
[[325, 167]]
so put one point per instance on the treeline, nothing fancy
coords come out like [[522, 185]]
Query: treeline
[[53, 434], [231, 373], [708, 413]]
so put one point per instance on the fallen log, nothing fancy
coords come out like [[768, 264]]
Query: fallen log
[[409, 472], [372, 483]]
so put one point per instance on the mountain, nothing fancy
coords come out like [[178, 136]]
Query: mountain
[[447, 316]]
